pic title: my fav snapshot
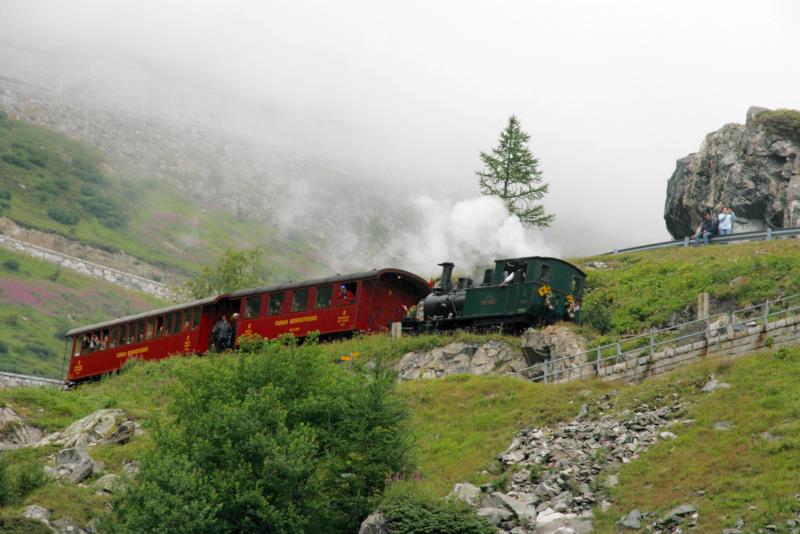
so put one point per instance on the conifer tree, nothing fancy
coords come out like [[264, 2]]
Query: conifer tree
[[511, 173]]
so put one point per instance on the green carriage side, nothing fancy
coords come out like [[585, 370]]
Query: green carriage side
[[541, 289]]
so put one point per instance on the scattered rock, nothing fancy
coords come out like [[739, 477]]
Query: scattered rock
[[101, 427], [632, 521], [375, 523], [667, 435], [679, 513], [14, 433], [770, 437], [65, 525], [73, 465], [466, 492], [37, 513], [495, 515], [723, 426], [713, 385], [597, 265], [107, 483], [492, 357]]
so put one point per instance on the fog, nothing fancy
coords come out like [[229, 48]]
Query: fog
[[408, 93]]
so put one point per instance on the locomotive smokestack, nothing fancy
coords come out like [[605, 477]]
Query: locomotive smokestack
[[447, 274]]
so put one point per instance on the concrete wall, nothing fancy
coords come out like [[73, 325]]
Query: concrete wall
[[13, 380]]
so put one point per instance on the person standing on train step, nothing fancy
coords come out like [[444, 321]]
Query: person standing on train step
[[221, 333], [234, 324], [726, 220]]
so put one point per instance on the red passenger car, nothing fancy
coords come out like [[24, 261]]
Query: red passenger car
[[335, 306]]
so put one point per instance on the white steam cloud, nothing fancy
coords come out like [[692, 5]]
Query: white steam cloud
[[470, 233]]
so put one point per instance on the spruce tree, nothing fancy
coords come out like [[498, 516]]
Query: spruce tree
[[511, 173]]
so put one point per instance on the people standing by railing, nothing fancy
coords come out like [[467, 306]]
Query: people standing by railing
[[705, 230], [726, 219]]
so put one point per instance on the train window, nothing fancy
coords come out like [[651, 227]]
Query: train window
[[176, 323], [345, 294], [76, 345], [544, 271], [323, 299], [104, 339], [196, 318], [113, 337], [576, 284], [300, 300], [252, 307], [148, 332], [140, 331], [123, 334], [167, 324], [275, 304], [187, 320], [159, 327]]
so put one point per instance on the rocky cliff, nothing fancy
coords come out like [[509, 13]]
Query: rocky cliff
[[753, 168]]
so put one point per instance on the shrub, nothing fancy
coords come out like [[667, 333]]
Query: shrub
[[108, 211], [11, 265], [5, 194], [596, 312], [63, 215], [40, 351], [781, 122], [282, 441], [409, 515], [88, 171], [3, 347], [15, 160]]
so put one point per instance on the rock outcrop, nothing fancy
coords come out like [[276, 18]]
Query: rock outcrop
[[14, 433], [557, 343], [492, 357], [102, 427], [753, 168]]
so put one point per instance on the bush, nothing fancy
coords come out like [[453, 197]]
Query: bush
[[3, 347], [108, 211], [596, 312], [88, 171], [408, 515], [282, 441], [11, 265], [15, 160], [18, 479], [40, 351], [781, 122], [63, 215], [5, 194]]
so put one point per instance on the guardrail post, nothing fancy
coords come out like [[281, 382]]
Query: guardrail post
[[766, 312], [597, 362], [686, 241], [545, 372], [652, 344], [769, 233], [708, 331]]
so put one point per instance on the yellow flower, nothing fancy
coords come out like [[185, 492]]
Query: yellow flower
[[544, 291]]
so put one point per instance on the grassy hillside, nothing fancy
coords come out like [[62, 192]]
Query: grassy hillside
[[647, 288], [56, 184], [461, 423], [40, 301]]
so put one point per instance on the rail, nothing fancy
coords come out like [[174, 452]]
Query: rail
[[766, 235], [15, 380], [703, 332]]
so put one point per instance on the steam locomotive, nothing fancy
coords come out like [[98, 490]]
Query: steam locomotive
[[515, 294]]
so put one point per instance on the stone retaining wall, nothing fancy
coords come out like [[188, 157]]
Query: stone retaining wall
[[732, 342], [13, 380]]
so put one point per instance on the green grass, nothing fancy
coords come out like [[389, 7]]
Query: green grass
[[781, 122], [644, 289], [55, 184], [39, 302]]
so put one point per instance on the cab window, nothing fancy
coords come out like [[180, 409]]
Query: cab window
[[187, 320], [345, 294], [544, 272], [323, 299], [148, 333], [176, 323], [252, 307], [300, 300], [576, 285], [196, 319], [275, 304]]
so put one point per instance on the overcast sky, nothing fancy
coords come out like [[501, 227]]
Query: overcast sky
[[612, 93]]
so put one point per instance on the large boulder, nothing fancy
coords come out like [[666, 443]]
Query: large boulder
[[72, 464], [560, 347], [753, 168], [375, 523], [99, 428], [491, 357]]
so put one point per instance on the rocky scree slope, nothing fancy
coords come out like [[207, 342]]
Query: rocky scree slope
[[753, 168]]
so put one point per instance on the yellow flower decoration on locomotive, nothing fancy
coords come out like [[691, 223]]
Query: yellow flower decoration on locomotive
[[570, 299], [545, 291]]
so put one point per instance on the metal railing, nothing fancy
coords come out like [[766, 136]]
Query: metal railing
[[766, 235], [700, 333]]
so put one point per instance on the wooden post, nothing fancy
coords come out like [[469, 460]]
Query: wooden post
[[397, 330], [702, 306]]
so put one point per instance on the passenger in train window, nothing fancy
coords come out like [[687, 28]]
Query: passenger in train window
[[345, 296]]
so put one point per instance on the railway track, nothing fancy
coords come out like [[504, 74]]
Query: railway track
[[14, 380]]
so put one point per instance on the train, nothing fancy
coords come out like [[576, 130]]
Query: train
[[516, 293]]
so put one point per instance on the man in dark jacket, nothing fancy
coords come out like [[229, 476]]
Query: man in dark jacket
[[234, 324], [221, 333], [706, 229]]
